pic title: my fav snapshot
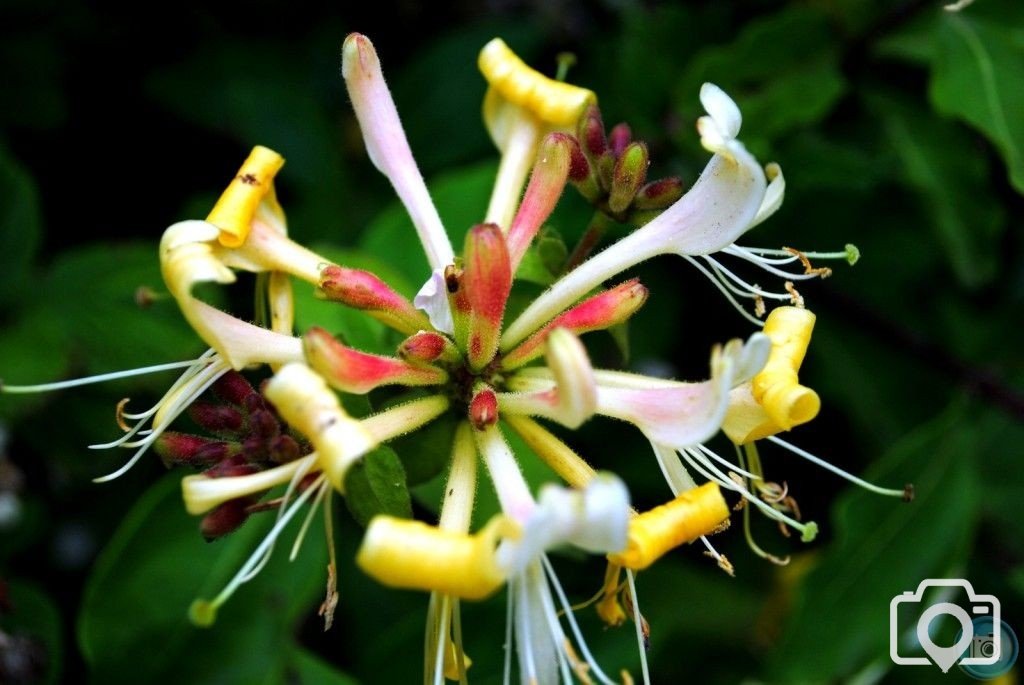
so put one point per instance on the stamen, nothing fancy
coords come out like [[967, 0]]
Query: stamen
[[203, 612], [795, 297], [573, 625], [331, 595], [728, 464], [906, 493], [300, 473], [637, 619], [510, 593], [460, 654], [442, 633], [745, 289], [809, 269], [99, 378], [725, 291], [305, 524]]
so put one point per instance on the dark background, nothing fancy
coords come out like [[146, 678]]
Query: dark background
[[898, 127]]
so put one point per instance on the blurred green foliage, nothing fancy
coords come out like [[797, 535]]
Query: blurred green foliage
[[900, 128]]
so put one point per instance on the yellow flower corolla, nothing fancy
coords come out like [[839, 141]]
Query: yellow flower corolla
[[411, 554], [774, 400], [554, 102], [693, 513], [238, 204]]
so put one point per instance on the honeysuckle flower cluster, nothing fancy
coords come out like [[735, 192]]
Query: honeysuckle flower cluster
[[289, 444]]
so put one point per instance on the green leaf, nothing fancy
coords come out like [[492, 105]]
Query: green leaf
[[425, 452], [306, 668], [782, 71], [977, 72], [940, 163], [376, 485], [134, 626], [20, 223], [882, 548], [33, 616]]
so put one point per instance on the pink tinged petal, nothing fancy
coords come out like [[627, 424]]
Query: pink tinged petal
[[363, 290], [601, 311], [425, 347], [574, 397], [358, 372], [686, 414], [717, 209], [432, 299], [387, 146], [547, 181], [487, 280], [188, 257]]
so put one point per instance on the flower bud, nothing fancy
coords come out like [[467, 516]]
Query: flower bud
[[591, 133], [629, 175], [659, 194], [620, 137], [363, 290], [233, 388], [582, 174], [218, 419], [601, 311], [426, 347], [232, 467], [547, 182], [226, 518], [487, 280], [483, 409], [182, 449], [283, 449], [357, 372]]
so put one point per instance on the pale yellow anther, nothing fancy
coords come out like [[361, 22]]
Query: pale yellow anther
[[304, 401], [553, 102], [653, 533], [411, 554], [254, 183]]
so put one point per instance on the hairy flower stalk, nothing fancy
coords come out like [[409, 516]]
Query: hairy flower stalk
[[292, 445]]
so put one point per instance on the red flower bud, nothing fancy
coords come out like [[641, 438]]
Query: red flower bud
[[226, 518], [357, 372], [219, 419], [619, 138], [363, 290], [487, 280], [483, 409]]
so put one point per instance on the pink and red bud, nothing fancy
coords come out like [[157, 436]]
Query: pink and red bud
[[629, 174], [232, 467], [659, 194], [483, 409], [550, 171], [358, 372], [363, 290], [426, 347], [487, 281], [601, 311]]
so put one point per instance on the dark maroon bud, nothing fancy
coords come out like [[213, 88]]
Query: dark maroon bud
[[283, 449], [226, 518], [231, 467], [263, 423], [579, 167], [182, 449], [219, 419], [591, 132], [254, 402], [233, 388], [619, 138], [254, 448]]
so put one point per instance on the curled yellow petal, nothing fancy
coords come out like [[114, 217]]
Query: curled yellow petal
[[411, 554], [777, 387], [653, 533], [303, 399], [254, 183], [554, 102]]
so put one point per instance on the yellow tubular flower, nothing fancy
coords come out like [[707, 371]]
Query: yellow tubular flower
[[653, 533], [237, 205], [411, 554], [775, 401], [554, 102]]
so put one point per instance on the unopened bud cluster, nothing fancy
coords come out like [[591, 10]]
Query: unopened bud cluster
[[611, 172], [246, 436]]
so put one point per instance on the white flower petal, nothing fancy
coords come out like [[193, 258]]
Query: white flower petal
[[432, 299]]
